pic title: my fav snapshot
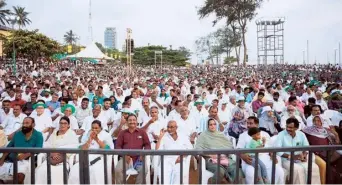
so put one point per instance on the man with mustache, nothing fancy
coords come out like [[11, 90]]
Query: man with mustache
[[28, 137]]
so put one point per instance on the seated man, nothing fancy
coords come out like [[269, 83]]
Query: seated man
[[28, 137], [291, 137], [173, 141], [131, 138], [13, 122], [247, 167]]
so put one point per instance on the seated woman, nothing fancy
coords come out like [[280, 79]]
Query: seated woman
[[269, 122], [64, 137], [319, 135], [213, 139], [97, 138]]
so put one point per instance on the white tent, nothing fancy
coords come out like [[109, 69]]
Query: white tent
[[91, 51]]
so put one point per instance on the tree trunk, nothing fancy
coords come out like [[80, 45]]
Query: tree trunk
[[244, 46], [237, 53]]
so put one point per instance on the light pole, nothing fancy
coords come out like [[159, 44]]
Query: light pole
[[304, 57], [13, 19], [335, 56]]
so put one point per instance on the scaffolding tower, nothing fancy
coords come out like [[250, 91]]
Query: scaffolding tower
[[270, 39]]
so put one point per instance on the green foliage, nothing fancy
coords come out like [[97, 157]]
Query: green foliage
[[22, 16], [70, 37], [235, 12], [107, 51], [3, 12], [145, 56], [227, 40], [31, 45], [230, 60]]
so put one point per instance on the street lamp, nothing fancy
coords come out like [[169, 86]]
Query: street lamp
[[13, 19]]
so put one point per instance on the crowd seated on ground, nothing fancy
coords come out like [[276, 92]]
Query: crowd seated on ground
[[202, 107]]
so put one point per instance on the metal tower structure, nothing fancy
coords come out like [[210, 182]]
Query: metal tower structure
[[270, 40], [90, 28]]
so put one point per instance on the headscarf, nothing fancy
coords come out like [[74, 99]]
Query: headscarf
[[213, 140], [320, 132], [267, 122]]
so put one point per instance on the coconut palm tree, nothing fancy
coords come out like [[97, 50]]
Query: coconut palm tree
[[22, 16], [3, 13], [70, 37]]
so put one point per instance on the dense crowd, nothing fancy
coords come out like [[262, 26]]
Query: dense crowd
[[111, 107]]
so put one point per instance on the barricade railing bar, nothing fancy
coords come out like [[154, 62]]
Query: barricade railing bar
[[84, 167]]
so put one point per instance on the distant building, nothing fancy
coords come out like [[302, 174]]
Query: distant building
[[110, 38]]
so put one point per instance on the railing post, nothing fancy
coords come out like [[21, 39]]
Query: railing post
[[256, 168]]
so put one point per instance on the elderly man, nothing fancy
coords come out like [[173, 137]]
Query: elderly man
[[290, 112], [170, 140], [224, 113], [144, 112], [198, 112], [247, 168], [291, 137], [320, 101], [28, 137], [54, 103], [43, 122], [131, 138], [186, 124], [154, 125]]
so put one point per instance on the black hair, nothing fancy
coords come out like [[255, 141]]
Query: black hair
[[210, 119], [85, 99], [66, 119], [312, 100], [255, 119], [294, 121], [261, 94], [292, 98], [32, 120], [97, 122], [253, 131], [106, 99]]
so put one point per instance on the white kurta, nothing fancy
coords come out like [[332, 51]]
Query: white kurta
[[186, 127], [42, 122], [68, 140], [12, 123], [96, 171], [171, 169], [248, 170], [73, 123]]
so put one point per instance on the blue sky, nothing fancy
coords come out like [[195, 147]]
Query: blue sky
[[176, 23]]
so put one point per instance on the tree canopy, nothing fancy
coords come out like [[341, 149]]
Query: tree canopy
[[145, 55], [236, 14], [21, 16], [31, 45], [70, 37], [3, 13]]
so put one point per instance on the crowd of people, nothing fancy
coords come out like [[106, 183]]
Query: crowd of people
[[86, 106]]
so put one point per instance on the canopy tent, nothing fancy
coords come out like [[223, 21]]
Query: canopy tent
[[91, 51]]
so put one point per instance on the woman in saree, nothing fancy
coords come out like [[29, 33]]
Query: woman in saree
[[97, 138], [213, 139], [64, 137], [319, 135]]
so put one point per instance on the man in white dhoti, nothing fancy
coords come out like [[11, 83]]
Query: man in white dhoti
[[247, 167], [291, 137], [170, 140], [28, 137]]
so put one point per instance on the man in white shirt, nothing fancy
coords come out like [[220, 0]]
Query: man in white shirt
[[316, 111], [173, 141], [278, 104], [211, 95], [308, 94], [6, 110], [83, 111], [320, 101], [13, 122], [199, 112], [86, 126], [224, 113], [291, 112], [108, 112], [154, 125], [247, 167], [186, 125], [27, 94]]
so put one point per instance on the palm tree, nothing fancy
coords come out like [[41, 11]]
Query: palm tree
[[3, 13], [22, 16], [70, 37]]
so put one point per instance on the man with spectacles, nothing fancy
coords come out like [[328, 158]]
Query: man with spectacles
[[170, 140]]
